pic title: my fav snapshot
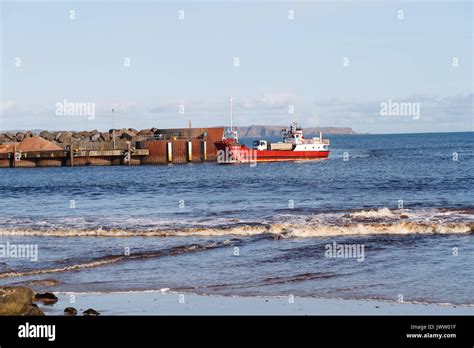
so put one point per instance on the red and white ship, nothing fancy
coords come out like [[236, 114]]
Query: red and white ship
[[294, 147]]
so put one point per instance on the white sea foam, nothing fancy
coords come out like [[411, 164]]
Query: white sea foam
[[400, 228], [379, 213], [277, 229], [61, 269], [364, 222]]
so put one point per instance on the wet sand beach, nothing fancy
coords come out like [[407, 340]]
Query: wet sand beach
[[164, 303]]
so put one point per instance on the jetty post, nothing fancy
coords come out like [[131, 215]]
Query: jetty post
[[203, 151], [128, 156], [13, 162], [169, 152], [189, 151], [71, 155]]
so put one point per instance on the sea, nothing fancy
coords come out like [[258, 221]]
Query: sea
[[386, 217]]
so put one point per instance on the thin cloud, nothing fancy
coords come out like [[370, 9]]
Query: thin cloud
[[268, 101], [447, 113], [7, 105]]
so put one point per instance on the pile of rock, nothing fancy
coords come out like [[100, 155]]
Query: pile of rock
[[18, 300], [14, 138], [68, 137]]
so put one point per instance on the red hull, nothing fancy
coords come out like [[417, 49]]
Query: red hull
[[242, 154], [281, 155]]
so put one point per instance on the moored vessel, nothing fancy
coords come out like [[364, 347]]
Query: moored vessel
[[294, 147]]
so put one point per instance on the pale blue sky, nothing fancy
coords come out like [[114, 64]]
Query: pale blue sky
[[282, 62]]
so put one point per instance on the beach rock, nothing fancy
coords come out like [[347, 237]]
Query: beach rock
[[90, 312], [118, 132], [106, 136], [28, 134], [85, 134], [133, 130], [47, 297], [146, 132], [17, 300], [403, 216], [65, 137], [154, 130], [128, 134], [11, 136], [47, 135], [95, 137], [70, 311], [34, 310], [19, 136]]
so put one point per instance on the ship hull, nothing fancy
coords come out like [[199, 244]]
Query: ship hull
[[281, 155], [237, 153]]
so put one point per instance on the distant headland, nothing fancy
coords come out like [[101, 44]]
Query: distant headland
[[275, 131], [66, 137]]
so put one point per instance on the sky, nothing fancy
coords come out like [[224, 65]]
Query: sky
[[165, 63]]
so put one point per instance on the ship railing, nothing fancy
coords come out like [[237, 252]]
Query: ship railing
[[316, 141]]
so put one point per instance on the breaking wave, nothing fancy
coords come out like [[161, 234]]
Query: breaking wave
[[279, 230], [401, 228], [362, 222], [90, 264], [379, 213]]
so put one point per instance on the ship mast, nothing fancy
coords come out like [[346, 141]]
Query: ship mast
[[230, 131], [230, 101]]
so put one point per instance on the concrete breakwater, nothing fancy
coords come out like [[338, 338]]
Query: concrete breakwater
[[115, 147]]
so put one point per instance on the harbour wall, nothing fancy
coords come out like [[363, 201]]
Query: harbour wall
[[165, 146]]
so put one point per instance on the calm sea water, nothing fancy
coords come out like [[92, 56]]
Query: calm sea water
[[264, 230]]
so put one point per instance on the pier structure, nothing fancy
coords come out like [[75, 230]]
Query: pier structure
[[166, 146]]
